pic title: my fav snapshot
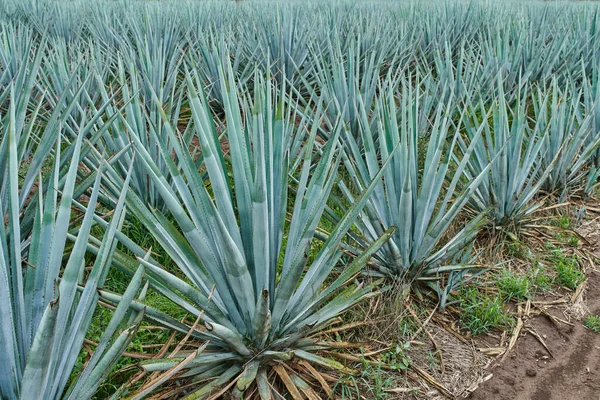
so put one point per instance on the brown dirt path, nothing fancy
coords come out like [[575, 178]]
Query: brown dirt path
[[570, 372]]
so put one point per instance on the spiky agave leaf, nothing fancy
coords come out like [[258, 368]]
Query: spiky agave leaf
[[260, 299]]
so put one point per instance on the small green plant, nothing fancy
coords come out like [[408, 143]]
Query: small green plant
[[592, 322], [373, 380], [540, 279], [569, 275], [481, 313], [567, 269], [347, 387], [565, 237], [563, 222], [376, 382], [513, 286], [398, 358], [433, 360], [574, 241], [517, 249], [568, 238]]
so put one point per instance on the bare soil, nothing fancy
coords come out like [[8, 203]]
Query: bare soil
[[570, 370]]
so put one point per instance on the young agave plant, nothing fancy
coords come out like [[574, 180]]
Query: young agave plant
[[140, 118], [569, 144], [411, 195], [342, 79], [515, 151], [591, 101], [215, 55], [462, 73], [250, 276], [46, 303], [282, 41]]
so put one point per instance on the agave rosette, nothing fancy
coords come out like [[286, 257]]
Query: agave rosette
[[411, 196], [505, 138], [247, 272]]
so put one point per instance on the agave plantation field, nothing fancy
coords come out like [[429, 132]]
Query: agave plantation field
[[213, 198]]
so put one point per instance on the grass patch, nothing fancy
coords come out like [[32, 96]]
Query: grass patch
[[567, 269], [398, 358], [568, 238], [592, 322], [146, 340], [137, 232], [480, 313], [564, 222], [373, 381], [540, 279], [513, 286], [569, 275], [517, 249]]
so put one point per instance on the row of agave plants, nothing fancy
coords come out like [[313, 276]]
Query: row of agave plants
[[408, 129]]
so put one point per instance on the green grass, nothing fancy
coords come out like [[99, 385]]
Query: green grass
[[373, 382], [480, 313], [541, 280], [406, 326], [135, 230], [517, 249], [513, 286], [564, 222], [398, 358], [568, 238], [573, 241], [592, 322], [432, 359], [568, 273]]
